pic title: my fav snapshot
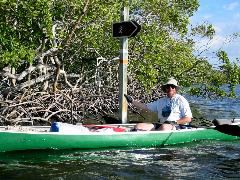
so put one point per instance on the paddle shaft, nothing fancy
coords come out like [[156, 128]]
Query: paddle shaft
[[136, 111], [233, 130]]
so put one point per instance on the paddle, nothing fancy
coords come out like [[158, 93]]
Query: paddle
[[227, 127], [130, 100], [233, 130]]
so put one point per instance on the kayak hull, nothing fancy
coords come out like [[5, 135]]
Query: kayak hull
[[17, 140]]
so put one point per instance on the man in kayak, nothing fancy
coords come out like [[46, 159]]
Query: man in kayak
[[173, 110]]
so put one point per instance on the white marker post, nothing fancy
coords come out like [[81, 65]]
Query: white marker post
[[123, 106], [123, 30]]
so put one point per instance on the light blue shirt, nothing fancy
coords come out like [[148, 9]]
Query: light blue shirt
[[170, 109]]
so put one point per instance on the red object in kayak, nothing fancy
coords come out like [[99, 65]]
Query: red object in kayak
[[114, 128]]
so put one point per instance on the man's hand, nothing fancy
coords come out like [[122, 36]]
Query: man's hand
[[128, 98]]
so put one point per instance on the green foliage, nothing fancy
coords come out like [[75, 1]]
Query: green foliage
[[160, 50], [23, 24], [83, 32], [204, 30], [231, 72], [16, 56]]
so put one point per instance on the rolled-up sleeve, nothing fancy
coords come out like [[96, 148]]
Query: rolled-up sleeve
[[185, 108], [152, 106]]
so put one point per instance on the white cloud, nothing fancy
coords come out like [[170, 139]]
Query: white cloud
[[231, 6], [217, 42], [209, 48], [236, 16], [218, 29], [207, 16], [213, 45]]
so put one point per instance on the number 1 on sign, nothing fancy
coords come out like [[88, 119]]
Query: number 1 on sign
[[120, 30]]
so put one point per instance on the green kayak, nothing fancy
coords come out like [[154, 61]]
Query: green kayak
[[39, 137]]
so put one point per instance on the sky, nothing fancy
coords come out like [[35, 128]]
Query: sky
[[224, 15]]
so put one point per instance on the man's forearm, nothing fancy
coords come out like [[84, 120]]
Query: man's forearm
[[184, 120], [140, 105]]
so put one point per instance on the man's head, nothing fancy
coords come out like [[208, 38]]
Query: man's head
[[170, 87]]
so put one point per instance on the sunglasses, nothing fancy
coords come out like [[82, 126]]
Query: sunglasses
[[170, 85]]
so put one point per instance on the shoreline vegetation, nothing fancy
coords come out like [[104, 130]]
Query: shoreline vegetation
[[86, 105]]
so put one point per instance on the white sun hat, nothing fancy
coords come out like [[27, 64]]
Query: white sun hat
[[170, 81]]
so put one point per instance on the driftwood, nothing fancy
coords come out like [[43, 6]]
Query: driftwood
[[87, 98], [42, 107], [73, 106], [88, 104]]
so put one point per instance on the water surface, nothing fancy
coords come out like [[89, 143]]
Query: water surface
[[202, 160]]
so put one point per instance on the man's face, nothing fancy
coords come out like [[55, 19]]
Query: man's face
[[171, 90]]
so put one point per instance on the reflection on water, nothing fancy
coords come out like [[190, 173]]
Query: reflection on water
[[195, 160], [228, 168]]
